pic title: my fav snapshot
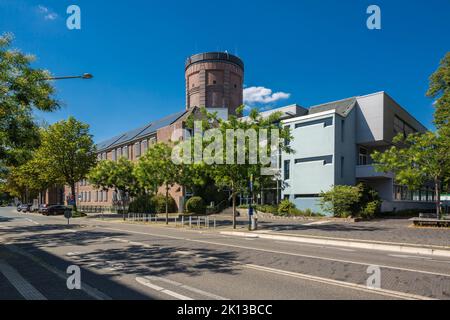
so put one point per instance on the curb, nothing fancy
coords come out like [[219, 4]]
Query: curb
[[403, 248]]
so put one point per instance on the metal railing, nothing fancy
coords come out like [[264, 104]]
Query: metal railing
[[198, 222]]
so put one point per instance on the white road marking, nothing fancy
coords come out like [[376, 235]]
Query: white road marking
[[280, 252], [189, 288], [32, 221], [25, 288], [384, 292], [148, 284], [93, 292], [316, 223], [70, 231]]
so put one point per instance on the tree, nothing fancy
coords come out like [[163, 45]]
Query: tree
[[22, 90], [417, 159], [67, 152], [235, 175], [117, 175], [156, 169], [27, 180], [440, 91]]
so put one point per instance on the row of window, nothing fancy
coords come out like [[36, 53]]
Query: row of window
[[402, 193], [99, 196], [402, 127], [139, 149]]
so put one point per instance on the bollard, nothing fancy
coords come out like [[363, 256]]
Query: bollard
[[182, 221], [198, 222], [176, 222], [190, 222], [215, 223]]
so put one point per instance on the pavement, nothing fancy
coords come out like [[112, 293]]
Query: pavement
[[134, 261]]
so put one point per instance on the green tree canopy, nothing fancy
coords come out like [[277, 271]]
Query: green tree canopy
[[416, 160], [22, 90], [156, 169], [67, 152], [235, 175], [440, 91]]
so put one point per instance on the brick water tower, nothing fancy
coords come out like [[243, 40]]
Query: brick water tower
[[214, 80]]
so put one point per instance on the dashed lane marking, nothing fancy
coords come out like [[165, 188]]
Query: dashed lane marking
[[186, 287], [147, 283]]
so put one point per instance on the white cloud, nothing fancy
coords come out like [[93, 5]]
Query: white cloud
[[47, 13], [262, 95]]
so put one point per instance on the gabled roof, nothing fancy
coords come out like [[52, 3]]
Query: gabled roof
[[342, 107], [142, 132]]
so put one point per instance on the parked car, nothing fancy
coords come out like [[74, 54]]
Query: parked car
[[54, 210], [24, 208]]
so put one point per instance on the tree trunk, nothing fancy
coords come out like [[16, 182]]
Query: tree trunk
[[167, 204], [72, 189], [438, 198]]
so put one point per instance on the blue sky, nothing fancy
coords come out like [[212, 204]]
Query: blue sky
[[312, 51]]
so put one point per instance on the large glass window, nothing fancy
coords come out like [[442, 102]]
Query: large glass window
[[137, 150], [363, 159], [401, 127], [287, 170]]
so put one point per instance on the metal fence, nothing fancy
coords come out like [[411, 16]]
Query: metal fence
[[181, 221]]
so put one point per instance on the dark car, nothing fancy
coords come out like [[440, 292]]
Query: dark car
[[24, 208], [54, 210]]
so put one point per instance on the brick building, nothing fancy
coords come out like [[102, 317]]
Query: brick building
[[213, 80]]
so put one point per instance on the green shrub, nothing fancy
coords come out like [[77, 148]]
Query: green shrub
[[160, 204], [351, 201], [196, 205], [285, 208], [267, 208], [142, 204]]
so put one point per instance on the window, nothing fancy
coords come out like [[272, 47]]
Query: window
[[119, 153], [96, 196], [363, 159], [287, 170], [144, 146], [137, 150], [101, 196], [305, 196], [114, 155], [402, 127], [342, 167], [106, 196], [125, 152], [287, 142], [342, 130]]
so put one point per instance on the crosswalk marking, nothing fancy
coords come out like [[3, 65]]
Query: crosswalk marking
[[25, 288]]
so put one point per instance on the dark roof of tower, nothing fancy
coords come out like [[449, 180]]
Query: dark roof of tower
[[214, 57]]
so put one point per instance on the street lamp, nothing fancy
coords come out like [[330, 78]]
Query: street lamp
[[85, 76]]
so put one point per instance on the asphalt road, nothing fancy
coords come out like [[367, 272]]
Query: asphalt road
[[129, 261]]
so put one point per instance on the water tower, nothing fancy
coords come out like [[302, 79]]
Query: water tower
[[214, 80]]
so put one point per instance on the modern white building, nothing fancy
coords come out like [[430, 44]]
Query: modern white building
[[333, 143]]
